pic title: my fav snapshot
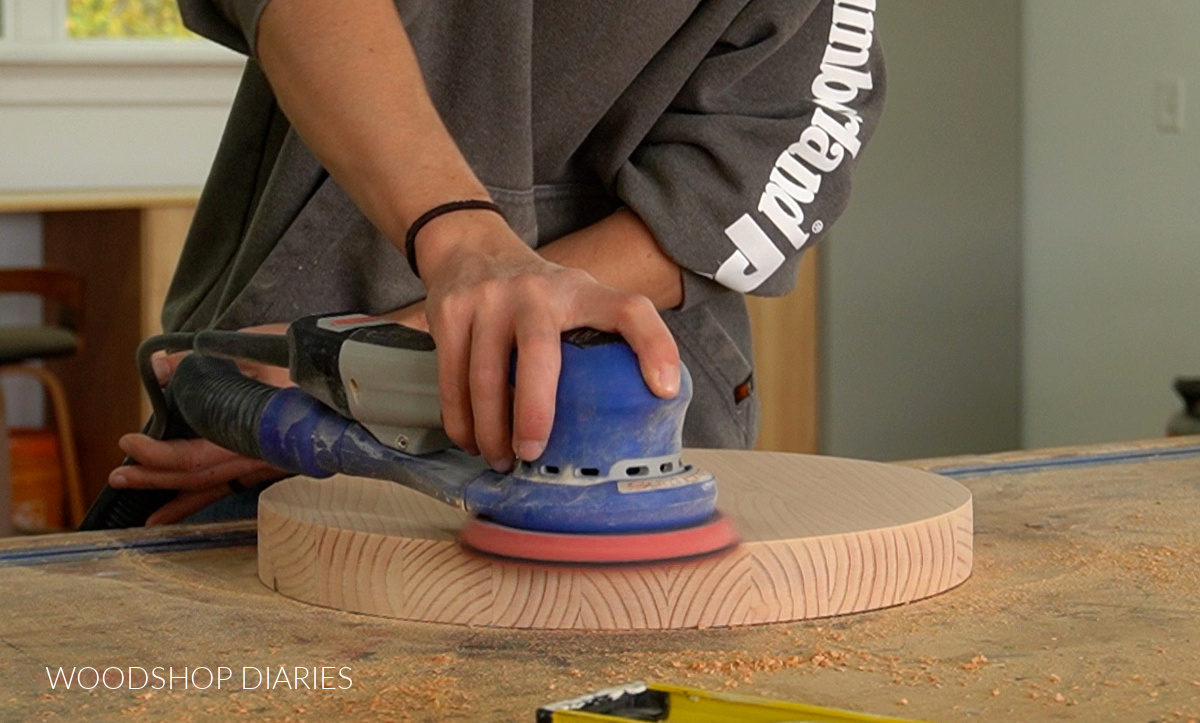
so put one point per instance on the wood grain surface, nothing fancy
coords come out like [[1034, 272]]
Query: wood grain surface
[[820, 536]]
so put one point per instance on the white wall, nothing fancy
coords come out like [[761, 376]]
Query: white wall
[[89, 114], [96, 117], [106, 124], [921, 299], [1111, 218]]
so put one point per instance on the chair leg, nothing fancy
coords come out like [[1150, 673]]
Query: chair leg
[[66, 438], [6, 526]]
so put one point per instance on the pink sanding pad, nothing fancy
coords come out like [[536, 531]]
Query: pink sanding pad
[[715, 534]]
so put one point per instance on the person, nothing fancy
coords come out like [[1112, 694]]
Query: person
[[651, 164]]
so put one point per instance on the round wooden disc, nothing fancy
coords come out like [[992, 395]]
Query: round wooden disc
[[820, 536]]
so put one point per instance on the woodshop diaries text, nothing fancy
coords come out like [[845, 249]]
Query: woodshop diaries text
[[136, 677]]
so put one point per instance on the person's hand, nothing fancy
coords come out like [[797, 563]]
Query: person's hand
[[489, 292], [346, 76], [202, 472], [199, 470], [412, 316]]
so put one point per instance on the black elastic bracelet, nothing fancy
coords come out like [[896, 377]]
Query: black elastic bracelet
[[410, 238]]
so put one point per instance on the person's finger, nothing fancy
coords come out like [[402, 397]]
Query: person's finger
[[635, 318], [273, 328], [453, 351], [266, 474], [162, 370], [539, 360], [266, 373], [164, 365], [175, 454], [141, 477], [186, 503], [412, 316], [491, 345]]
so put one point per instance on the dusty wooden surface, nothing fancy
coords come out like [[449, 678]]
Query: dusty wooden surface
[[1082, 606]]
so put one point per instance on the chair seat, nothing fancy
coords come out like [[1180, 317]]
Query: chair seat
[[20, 343]]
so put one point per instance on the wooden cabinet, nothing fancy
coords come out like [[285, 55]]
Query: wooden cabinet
[[125, 244]]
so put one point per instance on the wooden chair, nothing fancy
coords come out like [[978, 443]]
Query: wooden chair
[[22, 344]]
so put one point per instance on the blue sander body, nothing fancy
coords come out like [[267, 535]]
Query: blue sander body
[[366, 405]]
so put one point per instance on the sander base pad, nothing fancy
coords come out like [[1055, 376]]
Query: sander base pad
[[710, 536]]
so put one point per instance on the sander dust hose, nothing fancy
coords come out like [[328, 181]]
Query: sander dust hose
[[220, 403], [207, 397]]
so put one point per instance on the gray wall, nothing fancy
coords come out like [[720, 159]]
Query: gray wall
[[1112, 218], [921, 278]]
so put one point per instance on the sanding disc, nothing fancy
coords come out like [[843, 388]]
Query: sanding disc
[[715, 534]]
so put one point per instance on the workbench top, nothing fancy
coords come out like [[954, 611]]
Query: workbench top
[[1082, 606]]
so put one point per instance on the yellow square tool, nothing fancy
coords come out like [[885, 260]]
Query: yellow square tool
[[677, 704]]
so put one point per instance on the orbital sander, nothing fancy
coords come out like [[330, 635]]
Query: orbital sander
[[611, 486]]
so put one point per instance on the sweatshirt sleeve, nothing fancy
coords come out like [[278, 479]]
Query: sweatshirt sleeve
[[751, 161], [232, 23]]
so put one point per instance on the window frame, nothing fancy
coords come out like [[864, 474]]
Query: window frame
[[100, 114], [34, 32]]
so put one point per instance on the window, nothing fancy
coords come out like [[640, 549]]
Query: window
[[106, 94], [103, 32], [124, 19]]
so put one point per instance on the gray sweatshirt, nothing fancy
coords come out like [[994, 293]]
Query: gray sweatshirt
[[731, 127]]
